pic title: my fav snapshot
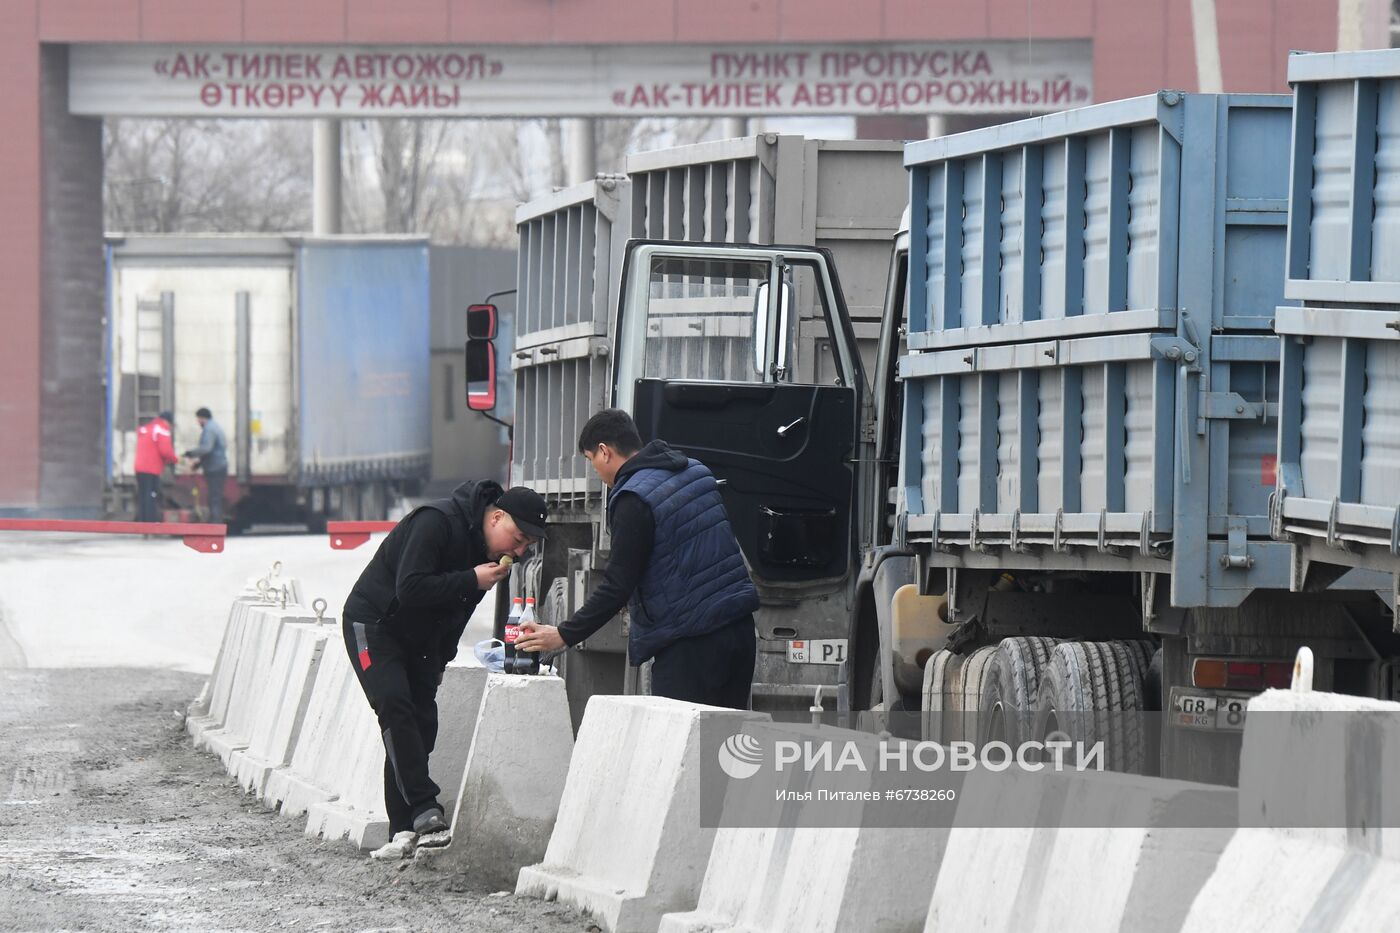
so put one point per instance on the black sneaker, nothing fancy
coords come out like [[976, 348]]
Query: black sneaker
[[432, 829]]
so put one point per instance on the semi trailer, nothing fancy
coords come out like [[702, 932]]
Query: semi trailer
[[312, 354]]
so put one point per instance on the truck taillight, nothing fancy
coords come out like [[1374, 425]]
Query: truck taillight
[[1240, 675]]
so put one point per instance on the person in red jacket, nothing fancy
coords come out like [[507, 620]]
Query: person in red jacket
[[155, 447]]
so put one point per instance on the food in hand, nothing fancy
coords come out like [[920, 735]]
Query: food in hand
[[507, 560]]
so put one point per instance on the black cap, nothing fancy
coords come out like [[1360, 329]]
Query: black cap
[[167, 416], [528, 509]]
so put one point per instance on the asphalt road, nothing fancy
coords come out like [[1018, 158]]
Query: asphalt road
[[110, 820]]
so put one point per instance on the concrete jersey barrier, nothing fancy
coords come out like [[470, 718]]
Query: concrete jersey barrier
[[514, 779], [1323, 760], [356, 811], [211, 707], [335, 715], [281, 709], [263, 629], [813, 879], [1032, 876], [627, 846], [1279, 881]]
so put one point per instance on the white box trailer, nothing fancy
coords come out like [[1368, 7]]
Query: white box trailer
[[311, 353]]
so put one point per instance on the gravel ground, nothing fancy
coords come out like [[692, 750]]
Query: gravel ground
[[110, 820]]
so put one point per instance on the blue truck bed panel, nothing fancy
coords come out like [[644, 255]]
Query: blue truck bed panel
[[1338, 498], [1092, 373], [1344, 220], [363, 361]]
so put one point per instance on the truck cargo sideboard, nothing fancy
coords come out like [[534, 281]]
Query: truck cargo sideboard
[[1091, 376]]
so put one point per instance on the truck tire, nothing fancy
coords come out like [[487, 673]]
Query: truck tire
[[960, 695], [1142, 653], [935, 677], [1091, 692], [1010, 687]]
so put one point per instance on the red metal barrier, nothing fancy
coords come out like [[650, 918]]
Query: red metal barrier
[[346, 536], [205, 538]]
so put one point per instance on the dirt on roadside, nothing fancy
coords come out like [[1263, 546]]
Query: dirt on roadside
[[110, 820]]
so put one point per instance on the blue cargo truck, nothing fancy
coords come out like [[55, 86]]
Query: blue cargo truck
[[1048, 486], [1338, 498], [312, 353]]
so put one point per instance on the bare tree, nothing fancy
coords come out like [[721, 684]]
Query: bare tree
[[455, 180], [417, 176], [167, 176], [616, 138]]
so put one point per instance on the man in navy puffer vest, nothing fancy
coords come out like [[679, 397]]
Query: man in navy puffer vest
[[674, 562]]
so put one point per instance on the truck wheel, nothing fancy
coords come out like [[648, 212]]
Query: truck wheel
[[1141, 653], [1010, 687], [931, 728], [1087, 689], [953, 713]]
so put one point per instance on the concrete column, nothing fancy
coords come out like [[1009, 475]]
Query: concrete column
[[1363, 24], [71, 447], [581, 159], [937, 125], [325, 177], [733, 127], [1206, 32]]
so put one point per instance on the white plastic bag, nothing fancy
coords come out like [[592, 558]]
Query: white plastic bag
[[492, 654]]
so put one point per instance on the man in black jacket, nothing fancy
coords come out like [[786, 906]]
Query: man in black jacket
[[403, 620], [674, 556]]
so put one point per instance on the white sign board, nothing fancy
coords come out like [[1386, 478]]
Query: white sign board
[[528, 81]]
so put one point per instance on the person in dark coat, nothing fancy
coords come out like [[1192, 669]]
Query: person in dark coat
[[675, 563], [211, 456], [403, 620]]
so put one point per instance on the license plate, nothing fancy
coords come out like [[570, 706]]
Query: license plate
[[817, 651], [1222, 712]]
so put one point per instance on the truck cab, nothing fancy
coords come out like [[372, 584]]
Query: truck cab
[[746, 358]]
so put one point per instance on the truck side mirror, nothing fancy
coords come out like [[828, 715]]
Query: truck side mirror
[[481, 357], [760, 330]]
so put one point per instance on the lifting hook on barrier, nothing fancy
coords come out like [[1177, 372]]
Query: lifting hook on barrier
[[320, 606], [1303, 670]]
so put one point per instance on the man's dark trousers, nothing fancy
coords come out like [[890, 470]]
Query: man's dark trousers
[[215, 480], [148, 497], [401, 685], [715, 668]]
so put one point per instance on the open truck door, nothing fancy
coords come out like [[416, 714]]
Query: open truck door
[[744, 358]]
